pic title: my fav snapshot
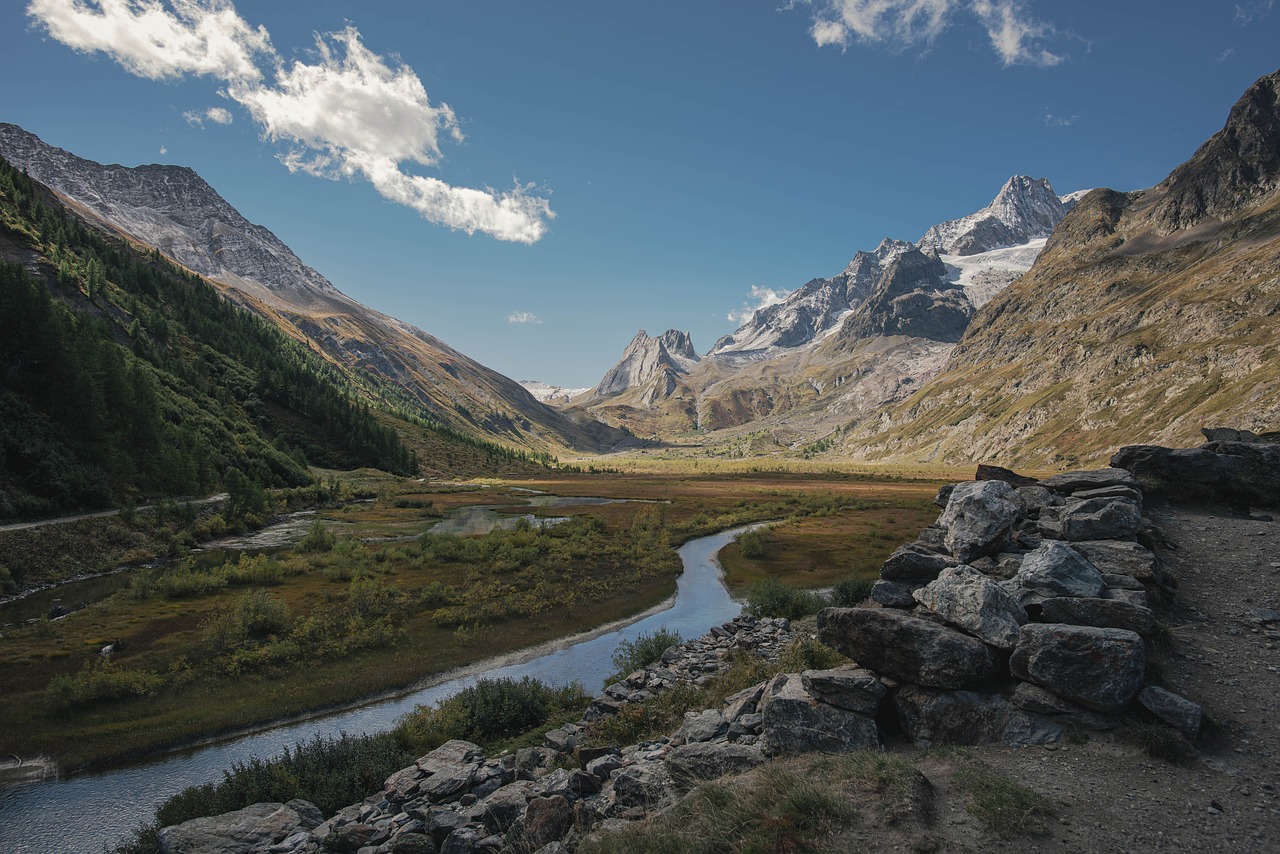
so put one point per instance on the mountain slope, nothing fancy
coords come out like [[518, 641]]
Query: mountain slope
[[177, 212], [1147, 316], [123, 376]]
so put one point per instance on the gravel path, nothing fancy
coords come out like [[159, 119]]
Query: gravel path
[[1111, 796]]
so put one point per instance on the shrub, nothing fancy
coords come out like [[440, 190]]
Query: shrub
[[647, 648], [256, 616], [102, 682], [317, 539], [769, 597], [7, 584], [754, 543], [851, 592], [490, 710]]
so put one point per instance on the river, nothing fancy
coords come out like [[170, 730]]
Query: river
[[84, 813]]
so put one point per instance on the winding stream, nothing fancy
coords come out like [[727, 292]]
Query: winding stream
[[86, 812]]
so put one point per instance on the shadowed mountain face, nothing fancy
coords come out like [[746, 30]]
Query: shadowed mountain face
[[1147, 316], [174, 210]]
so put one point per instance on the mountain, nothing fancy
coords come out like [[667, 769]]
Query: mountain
[[174, 210], [124, 376], [858, 341], [1025, 209], [547, 393], [1148, 315], [650, 364]]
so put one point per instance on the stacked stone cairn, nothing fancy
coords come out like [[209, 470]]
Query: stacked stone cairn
[[1019, 614]]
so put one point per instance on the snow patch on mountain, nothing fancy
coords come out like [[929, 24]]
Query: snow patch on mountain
[[988, 273], [551, 394]]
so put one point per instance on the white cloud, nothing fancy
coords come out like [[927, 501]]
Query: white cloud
[[217, 115], [1050, 120], [1226, 54], [522, 317], [163, 151], [902, 24], [761, 297], [348, 114], [1015, 37]]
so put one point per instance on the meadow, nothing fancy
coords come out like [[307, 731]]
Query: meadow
[[368, 603]]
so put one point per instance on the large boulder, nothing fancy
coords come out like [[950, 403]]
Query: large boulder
[[1239, 473], [1077, 481], [794, 721], [1100, 519], [931, 716], [966, 598], [849, 687], [692, 763], [254, 828], [702, 726], [914, 562], [1101, 669], [1055, 569], [906, 648], [978, 517], [1104, 613], [1118, 557], [645, 784]]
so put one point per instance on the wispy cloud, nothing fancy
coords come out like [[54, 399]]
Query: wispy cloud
[[761, 297], [522, 317], [1226, 54], [217, 115], [1050, 120], [349, 113], [163, 151], [1247, 13], [1016, 37]]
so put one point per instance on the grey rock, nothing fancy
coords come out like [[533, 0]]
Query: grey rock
[[931, 716], [450, 755], [1100, 669], [309, 815], [546, 820], [412, 843], [602, 766], [978, 517], [1122, 582], [1033, 698], [944, 495], [501, 809], [1055, 569], [745, 702], [1105, 613], [891, 594], [587, 754], [1174, 710], [692, 763], [1264, 616], [253, 828], [561, 740], [793, 721], [464, 840], [1073, 481], [403, 784], [1239, 474], [703, 726], [644, 784], [905, 647], [555, 783], [914, 562], [849, 687], [1035, 499], [1100, 519], [966, 598], [350, 838], [583, 784], [1128, 492], [530, 759]]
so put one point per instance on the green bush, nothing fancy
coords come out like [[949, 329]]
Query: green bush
[[7, 584], [754, 543], [769, 597], [256, 616], [851, 592], [103, 682], [488, 711], [631, 656], [318, 539]]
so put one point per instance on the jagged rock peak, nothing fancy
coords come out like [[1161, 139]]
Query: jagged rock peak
[[1024, 209], [913, 298], [648, 358], [171, 208], [1237, 165]]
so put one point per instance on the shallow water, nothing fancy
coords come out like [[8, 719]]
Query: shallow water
[[86, 812]]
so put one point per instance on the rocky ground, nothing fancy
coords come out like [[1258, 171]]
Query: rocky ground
[[1226, 797]]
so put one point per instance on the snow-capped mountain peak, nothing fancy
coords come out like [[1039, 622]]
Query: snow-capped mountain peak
[[1025, 209]]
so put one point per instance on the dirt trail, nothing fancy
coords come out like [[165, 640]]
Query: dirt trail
[[1111, 796], [62, 520]]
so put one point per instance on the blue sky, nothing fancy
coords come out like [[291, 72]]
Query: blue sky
[[620, 166]]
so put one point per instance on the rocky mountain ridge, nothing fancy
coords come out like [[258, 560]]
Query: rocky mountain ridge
[[1147, 314], [174, 210]]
